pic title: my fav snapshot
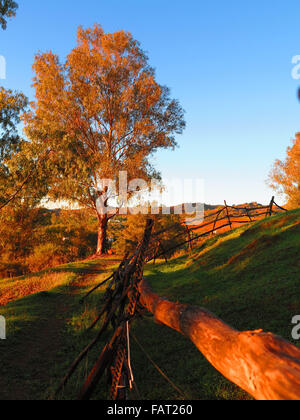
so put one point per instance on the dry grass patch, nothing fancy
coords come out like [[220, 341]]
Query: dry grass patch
[[16, 289]]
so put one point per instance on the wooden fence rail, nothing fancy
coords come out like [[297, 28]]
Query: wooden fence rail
[[264, 365], [232, 218], [213, 226]]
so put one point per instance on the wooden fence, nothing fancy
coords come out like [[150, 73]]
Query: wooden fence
[[225, 218], [231, 216], [264, 365]]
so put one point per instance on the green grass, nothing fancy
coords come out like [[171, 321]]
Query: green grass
[[248, 277], [46, 330]]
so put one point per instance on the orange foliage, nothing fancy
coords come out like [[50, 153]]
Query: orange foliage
[[285, 176], [99, 113]]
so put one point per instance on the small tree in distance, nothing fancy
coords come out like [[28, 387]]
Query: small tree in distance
[[285, 175], [100, 112]]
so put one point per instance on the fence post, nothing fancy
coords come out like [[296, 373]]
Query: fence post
[[163, 250], [215, 222], [189, 238], [156, 250], [271, 206], [227, 211], [248, 214]]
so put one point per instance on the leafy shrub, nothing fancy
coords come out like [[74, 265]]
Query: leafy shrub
[[12, 269], [132, 232], [35, 239], [45, 256]]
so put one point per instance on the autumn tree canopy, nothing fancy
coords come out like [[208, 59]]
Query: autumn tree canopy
[[285, 175], [7, 10], [12, 104], [100, 112]]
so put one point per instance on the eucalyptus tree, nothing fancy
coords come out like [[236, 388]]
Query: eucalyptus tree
[[101, 112]]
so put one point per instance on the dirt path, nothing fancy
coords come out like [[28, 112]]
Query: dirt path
[[28, 358]]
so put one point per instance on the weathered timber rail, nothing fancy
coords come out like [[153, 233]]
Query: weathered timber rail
[[264, 365]]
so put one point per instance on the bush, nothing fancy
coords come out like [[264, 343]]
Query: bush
[[132, 233], [14, 269], [37, 239], [47, 256]]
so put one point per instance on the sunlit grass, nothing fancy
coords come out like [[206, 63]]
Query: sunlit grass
[[13, 290]]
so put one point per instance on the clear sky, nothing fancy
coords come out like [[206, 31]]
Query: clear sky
[[228, 62]]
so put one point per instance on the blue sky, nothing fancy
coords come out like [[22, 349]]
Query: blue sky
[[228, 62]]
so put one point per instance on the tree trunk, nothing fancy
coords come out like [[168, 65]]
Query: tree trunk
[[263, 364], [102, 234]]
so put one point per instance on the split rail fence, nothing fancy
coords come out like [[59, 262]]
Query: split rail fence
[[263, 364]]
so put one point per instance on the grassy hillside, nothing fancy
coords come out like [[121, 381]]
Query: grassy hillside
[[249, 277]]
